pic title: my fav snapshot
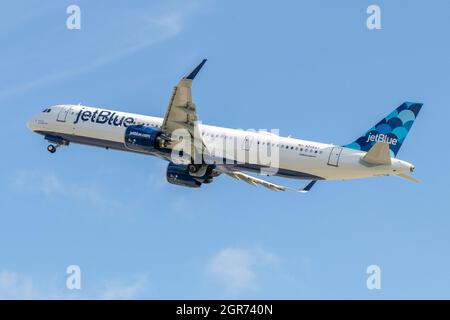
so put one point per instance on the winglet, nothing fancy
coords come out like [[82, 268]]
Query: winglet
[[308, 186], [194, 72]]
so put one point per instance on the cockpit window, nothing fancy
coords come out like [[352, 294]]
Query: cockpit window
[[47, 110]]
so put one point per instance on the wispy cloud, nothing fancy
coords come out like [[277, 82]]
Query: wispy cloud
[[236, 268], [16, 286], [124, 289], [150, 30], [49, 184], [13, 286]]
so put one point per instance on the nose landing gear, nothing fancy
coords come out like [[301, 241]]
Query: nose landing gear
[[55, 142], [52, 148]]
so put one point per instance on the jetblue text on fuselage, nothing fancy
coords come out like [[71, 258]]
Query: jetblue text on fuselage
[[104, 117]]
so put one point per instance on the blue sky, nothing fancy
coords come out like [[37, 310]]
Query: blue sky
[[311, 69]]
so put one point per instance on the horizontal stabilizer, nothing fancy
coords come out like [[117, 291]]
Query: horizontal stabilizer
[[405, 176], [379, 154]]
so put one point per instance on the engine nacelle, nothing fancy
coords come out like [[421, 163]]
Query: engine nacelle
[[179, 174], [142, 139]]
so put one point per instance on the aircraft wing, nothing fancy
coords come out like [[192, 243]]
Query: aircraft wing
[[181, 112], [257, 181]]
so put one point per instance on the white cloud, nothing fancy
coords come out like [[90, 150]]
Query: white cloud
[[33, 181], [12, 286], [170, 24], [236, 269], [15, 286], [123, 290]]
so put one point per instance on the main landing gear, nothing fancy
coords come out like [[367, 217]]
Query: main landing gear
[[198, 170], [193, 168]]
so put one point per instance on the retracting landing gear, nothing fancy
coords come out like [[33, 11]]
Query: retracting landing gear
[[198, 170], [55, 142], [52, 148], [193, 168]]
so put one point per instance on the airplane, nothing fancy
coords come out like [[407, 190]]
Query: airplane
[[206, 152]]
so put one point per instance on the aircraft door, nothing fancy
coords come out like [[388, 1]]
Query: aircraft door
[[247, 143], [62, 115], [335, 154]]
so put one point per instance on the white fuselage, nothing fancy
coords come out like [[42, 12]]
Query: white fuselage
[[296, 158]]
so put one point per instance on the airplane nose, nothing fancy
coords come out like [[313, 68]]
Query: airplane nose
[[30, 124]]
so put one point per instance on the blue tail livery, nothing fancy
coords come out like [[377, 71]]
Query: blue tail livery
[[392, 130]]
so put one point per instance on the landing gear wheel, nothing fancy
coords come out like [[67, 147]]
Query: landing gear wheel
[[51, 148], [193, 168]]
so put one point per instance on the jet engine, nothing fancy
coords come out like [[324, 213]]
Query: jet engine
[[179, 174], [143, 139]]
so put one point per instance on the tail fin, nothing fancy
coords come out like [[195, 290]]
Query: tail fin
[[391, 130]]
